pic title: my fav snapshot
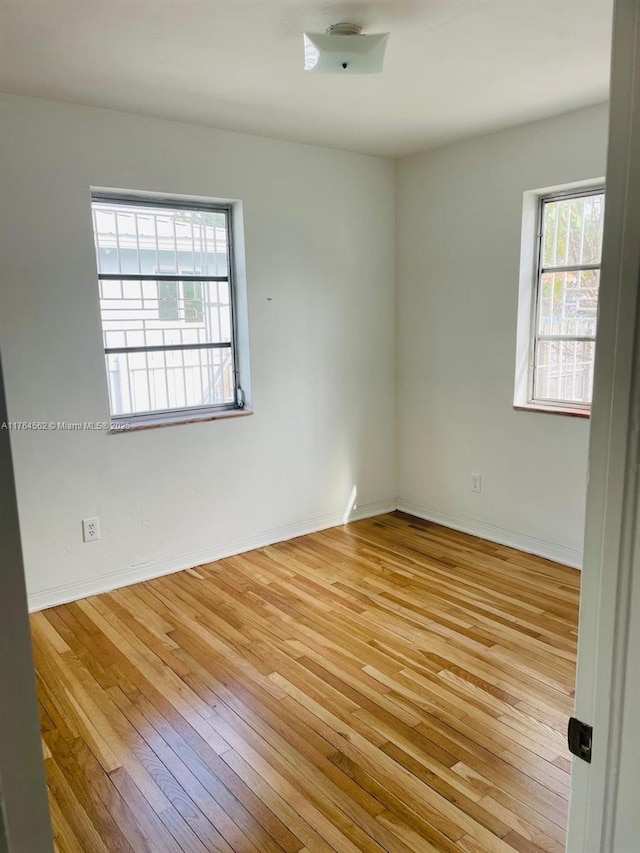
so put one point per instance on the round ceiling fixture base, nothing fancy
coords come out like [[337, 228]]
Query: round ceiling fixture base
[[344, 30]]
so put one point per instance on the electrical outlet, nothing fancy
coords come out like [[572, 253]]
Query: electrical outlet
[[476, 483], [90, 530]]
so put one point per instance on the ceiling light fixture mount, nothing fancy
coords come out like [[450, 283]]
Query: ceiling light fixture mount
[[343, 49], [344, 30]]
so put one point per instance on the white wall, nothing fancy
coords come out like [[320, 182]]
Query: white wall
[[320, 263], [320, 270], [458, 245]]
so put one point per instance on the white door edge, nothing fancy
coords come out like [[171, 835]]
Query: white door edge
[[611, 517]]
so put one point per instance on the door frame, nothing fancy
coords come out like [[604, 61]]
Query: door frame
[[610, 560], [25, 824]]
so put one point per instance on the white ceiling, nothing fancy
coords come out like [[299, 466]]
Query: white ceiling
[[453, 67]]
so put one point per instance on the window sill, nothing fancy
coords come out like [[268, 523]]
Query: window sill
[[553, 410], [121, 427]]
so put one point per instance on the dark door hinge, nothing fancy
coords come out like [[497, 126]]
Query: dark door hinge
[[580, 737]]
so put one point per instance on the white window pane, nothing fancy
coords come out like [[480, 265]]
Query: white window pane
[[110, 290], [180, 311], [568, 303], [572, 231], [131, 291], [156, 381], [113, 339], [134, 239], [564, 371]]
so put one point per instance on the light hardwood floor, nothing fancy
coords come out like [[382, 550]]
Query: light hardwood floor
[[386, 686]]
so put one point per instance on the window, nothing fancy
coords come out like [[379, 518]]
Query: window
[[564, 310], [167, 307]]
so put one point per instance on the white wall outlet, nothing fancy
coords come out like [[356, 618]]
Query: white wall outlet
[[90, 530], [476, 483]]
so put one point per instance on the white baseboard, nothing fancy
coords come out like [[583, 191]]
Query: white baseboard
[[494, 533], [156, 568]]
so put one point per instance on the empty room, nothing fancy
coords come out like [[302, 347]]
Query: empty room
[[309, 465]]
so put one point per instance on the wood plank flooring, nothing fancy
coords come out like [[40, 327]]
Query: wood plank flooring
[[386, 686]]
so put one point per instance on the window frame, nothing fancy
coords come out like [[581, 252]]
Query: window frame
[[542, 197], [184, 414]]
